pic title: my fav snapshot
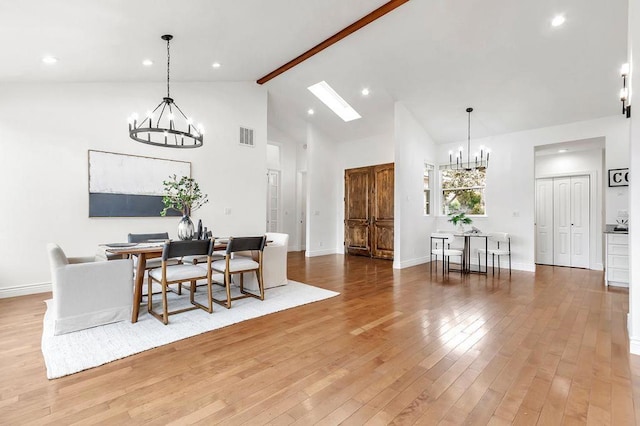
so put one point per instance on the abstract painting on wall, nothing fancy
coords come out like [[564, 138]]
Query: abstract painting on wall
[[122, 185]]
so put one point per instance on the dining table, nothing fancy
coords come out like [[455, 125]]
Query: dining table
[[466, 251], [144, 251]]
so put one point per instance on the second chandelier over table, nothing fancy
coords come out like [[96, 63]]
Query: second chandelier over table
[[163, 129], [479, 160]]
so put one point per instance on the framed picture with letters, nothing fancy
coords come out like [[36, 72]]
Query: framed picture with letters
[[618, 177]]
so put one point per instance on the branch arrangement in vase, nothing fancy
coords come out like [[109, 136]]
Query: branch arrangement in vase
[[183, 195]]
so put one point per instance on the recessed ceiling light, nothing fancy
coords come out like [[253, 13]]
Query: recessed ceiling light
[[365, 92], [562, 151], [216, 65], [49, 59], [310, 111], [330, 98], [147, 62], [558, 20]]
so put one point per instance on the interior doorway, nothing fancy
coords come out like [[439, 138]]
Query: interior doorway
[[301, 191]]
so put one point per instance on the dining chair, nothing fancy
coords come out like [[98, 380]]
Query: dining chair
[[505, 250], [458, 241], [144, 238], [88, 292], [172, 274], [274, 263], [440, 246], [232, 265], [154, 262]]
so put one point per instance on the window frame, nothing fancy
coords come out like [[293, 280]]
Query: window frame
[[482, 189], [427, 193]]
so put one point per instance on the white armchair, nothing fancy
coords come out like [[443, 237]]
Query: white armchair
[[274, 263], [88, 293]]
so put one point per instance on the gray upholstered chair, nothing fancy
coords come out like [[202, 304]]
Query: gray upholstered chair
[[232, 265], [87, 293], [155, 262], [171, 274]]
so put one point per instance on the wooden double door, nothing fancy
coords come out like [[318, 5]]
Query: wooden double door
[[368, 211]]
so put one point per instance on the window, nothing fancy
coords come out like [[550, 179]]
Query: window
[[463, 191], [427, 183]]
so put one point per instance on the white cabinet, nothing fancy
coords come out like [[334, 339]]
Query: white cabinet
[[617, 258]]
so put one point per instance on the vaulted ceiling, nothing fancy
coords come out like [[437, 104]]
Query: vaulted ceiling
[[437, 56]]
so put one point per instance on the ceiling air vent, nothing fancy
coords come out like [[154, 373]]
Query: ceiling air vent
[[246, 137]]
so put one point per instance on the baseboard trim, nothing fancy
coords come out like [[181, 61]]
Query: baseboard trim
[[527, 267], [23, 290], [410, 262], [319, 252]]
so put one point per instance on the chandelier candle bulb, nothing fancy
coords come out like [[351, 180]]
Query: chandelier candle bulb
[[624, 70], [623, 94]]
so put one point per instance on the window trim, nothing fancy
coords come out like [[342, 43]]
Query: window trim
[[441, 209], [430, 170]]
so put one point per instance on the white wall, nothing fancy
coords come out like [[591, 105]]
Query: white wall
[[322, 193], [46, 131], [413, 147], [510, 177], [634, 169], [359, 153], [590, 162]]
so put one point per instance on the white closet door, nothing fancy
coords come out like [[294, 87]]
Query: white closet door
[[562, 221], [544, 221], [580, 221]]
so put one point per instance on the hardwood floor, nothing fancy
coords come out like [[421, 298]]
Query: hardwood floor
[[399, 347]]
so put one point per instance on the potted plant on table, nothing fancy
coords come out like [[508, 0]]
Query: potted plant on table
[[183, 195], [460, 219]]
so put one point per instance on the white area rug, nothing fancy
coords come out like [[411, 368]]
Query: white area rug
[[73, 352]]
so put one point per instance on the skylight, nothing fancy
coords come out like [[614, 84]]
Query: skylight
[[330, 98]]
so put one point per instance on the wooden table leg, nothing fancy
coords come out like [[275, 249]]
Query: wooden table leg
[[137, 294]]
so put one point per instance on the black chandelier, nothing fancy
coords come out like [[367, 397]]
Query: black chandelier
[[166, 133], [481, 161]]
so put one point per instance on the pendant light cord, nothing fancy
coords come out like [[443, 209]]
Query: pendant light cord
[[469, 139], [168, 61]]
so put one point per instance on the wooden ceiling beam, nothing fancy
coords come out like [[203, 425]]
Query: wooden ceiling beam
[[379, 12]]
